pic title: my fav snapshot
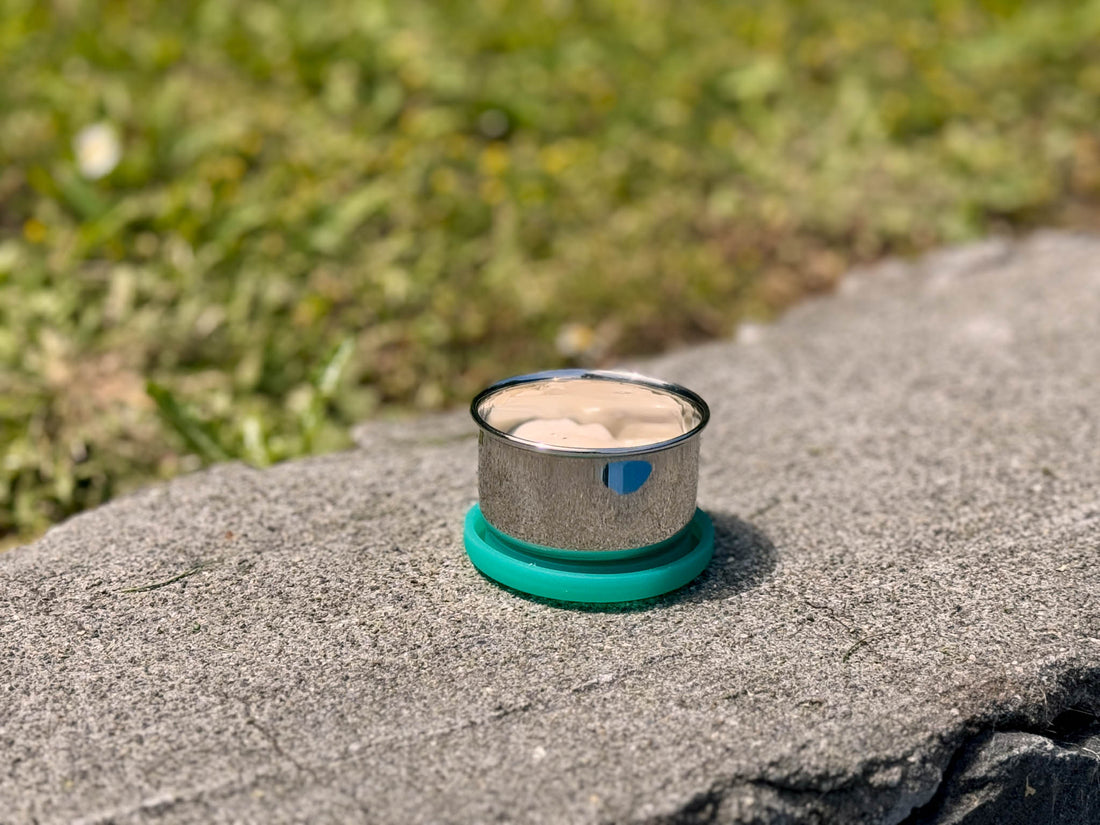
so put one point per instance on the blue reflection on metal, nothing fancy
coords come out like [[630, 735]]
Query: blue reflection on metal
[[626, 477]]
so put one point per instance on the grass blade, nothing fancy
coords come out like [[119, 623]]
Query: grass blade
[[328, 377], [195, 432]]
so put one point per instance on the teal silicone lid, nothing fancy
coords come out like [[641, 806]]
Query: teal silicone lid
[[590, 576]]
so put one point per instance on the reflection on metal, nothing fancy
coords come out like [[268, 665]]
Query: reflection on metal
[[586, 460]]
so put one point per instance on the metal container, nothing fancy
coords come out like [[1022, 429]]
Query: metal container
[[588, 460]]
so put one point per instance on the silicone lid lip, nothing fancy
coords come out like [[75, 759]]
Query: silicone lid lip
[[600, 375], [590, 576]]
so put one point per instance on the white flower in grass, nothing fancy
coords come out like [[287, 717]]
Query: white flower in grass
[[97, 149]]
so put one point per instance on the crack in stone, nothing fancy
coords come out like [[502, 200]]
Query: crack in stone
[[1068, 720], [162, 802], [1066, 733]]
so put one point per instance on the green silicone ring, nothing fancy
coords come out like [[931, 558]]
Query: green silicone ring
[[590, 576]]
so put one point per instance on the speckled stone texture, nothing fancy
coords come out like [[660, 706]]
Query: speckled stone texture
[[902, 623]]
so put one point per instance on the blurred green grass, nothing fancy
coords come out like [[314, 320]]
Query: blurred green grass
[[326, 211]]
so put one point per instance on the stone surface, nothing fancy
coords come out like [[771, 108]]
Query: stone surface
[[905, 479], [1021, 778]]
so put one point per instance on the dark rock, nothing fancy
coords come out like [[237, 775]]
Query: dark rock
[[1023, 777]]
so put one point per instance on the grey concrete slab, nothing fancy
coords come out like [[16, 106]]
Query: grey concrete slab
[[905, 479]]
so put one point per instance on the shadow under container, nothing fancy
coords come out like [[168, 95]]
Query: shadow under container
[[587, 483]]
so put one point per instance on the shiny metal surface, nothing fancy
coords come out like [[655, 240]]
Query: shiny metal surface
[[630, 492]]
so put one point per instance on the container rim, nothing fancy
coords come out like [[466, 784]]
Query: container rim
[[691, 397]]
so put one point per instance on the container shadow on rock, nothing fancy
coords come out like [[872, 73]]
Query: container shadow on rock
[[744, 557]]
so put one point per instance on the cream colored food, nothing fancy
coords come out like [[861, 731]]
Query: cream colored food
[[590, 413]]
